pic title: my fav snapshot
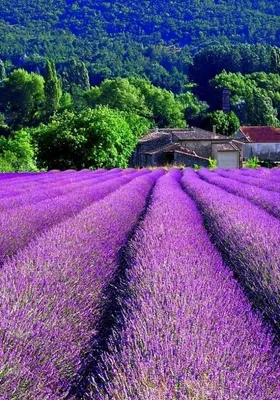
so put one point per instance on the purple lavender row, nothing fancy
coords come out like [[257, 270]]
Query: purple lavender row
[[266, 199], [189, 331], [261, 173], [9, 203], [22, 188], [266, 184], [249, 239], [52, 295], [21, 225], [38, 176], [27, 186], [11, 175]]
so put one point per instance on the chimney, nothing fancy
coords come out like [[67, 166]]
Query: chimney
[[214, 133], [226, 101]]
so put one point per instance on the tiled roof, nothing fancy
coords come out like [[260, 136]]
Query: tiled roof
[[173, 148], [196, 134], [225, 147], [170, 148], [153, 135], [191, 133], [261, 134]]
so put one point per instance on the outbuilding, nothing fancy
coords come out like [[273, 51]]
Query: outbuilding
[[226, 154]]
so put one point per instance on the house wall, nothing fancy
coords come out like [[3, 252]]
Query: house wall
[[228, 159], [138, 158], [202, 147], [189, 160], [264, 151]]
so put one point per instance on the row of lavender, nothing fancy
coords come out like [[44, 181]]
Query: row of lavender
[[51, 294], [190, 332]]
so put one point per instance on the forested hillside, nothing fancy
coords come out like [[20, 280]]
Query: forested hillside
[[60, 28]]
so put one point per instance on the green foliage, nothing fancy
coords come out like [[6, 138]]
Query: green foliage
[[52, 90], [67, 27], [194, 109], [96, 138], [255, 98], [226, 124], [2, 71], [213, 164], [75, 74], [118, 94], [140, 97], [139, 125], [17, 153], [166, 109], [253, 162], [196, 167], [22, 98], [244, 58]]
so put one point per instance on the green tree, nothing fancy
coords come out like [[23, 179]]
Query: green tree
[[166, 109], [17, 153], [97, 138], [255, 97], [53, 91], [226, 124], [76, 74], [118, 94], [2, 71], [22, 98], [194, 109]]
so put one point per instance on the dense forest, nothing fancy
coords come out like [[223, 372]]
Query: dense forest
[[118, 38]]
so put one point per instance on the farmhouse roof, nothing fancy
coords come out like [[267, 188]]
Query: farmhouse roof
[[191, 133], [194, 133], [225, 147], [173, 148], [261, 134], [153, 135], [170, 148]]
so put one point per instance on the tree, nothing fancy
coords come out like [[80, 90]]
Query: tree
[[118, 94], [17, 153], [76, 75], [255, 97], [226, 124], [22, 98], [2, 71], [95, 138], [194, 109], [52, 89], [166, 109]]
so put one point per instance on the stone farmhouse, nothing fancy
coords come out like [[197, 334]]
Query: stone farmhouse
[[187, 147], [260, 141]]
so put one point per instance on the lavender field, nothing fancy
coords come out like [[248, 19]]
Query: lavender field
[[140, 285]]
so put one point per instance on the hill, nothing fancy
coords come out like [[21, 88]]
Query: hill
[[62, 28]]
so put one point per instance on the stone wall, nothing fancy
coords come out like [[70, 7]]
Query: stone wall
[[189, 160], [203, 148], [139, 158], [264, 151]]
